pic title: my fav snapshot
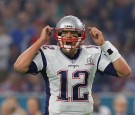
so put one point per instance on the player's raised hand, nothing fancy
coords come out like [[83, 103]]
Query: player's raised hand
[[46, 33], [96, 35]]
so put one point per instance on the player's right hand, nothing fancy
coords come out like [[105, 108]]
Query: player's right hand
[[46, 33]]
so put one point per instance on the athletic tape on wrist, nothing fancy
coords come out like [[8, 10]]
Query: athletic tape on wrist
[[110, 51]]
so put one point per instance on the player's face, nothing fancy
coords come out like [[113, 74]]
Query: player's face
[[67, 35]]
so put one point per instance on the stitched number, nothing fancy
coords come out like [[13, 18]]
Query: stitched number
[[63, 86], [76, 88], [76, 95], [48, 46]]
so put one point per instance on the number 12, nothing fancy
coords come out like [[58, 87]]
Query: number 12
[[63, 95]]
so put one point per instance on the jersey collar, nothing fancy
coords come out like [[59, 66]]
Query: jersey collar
[[74, 57]]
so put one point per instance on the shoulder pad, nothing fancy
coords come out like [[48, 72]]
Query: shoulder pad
[[92, 48], [47, 47]]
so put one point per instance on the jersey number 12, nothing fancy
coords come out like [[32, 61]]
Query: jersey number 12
[[75, 95]]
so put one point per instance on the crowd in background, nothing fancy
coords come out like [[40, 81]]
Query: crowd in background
[[10, 106], [33, 106], [21, 22]]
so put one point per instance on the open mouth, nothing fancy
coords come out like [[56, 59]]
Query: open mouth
[[68, 43]]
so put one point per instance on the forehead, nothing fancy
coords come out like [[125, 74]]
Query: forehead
[[72, 31], [68, 30]]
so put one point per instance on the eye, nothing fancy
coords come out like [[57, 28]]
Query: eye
[[75, 35], [63, 34]]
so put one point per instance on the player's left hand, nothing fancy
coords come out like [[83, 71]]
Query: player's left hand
[[97, 36]]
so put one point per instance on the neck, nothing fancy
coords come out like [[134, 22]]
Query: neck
[[70, 53]]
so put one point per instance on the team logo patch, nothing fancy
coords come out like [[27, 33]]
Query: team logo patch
[[90, 60]]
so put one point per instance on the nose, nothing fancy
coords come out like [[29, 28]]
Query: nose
[[69, 35]]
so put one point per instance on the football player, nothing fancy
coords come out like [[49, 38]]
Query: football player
[[69, 68]]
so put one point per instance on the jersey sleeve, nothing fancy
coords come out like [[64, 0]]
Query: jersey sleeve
[[106, 66], [111, 70], [103, 62], [38, 63]]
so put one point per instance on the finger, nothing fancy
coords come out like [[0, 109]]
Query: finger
[[89, 28], [94, 34], [48, 27], [51, 29], [48, 31]]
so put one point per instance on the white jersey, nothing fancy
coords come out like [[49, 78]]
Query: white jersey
[[69, 81]]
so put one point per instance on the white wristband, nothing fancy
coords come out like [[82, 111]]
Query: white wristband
[[110, 51]]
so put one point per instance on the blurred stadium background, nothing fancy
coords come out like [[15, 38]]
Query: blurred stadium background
[[21, 22]]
